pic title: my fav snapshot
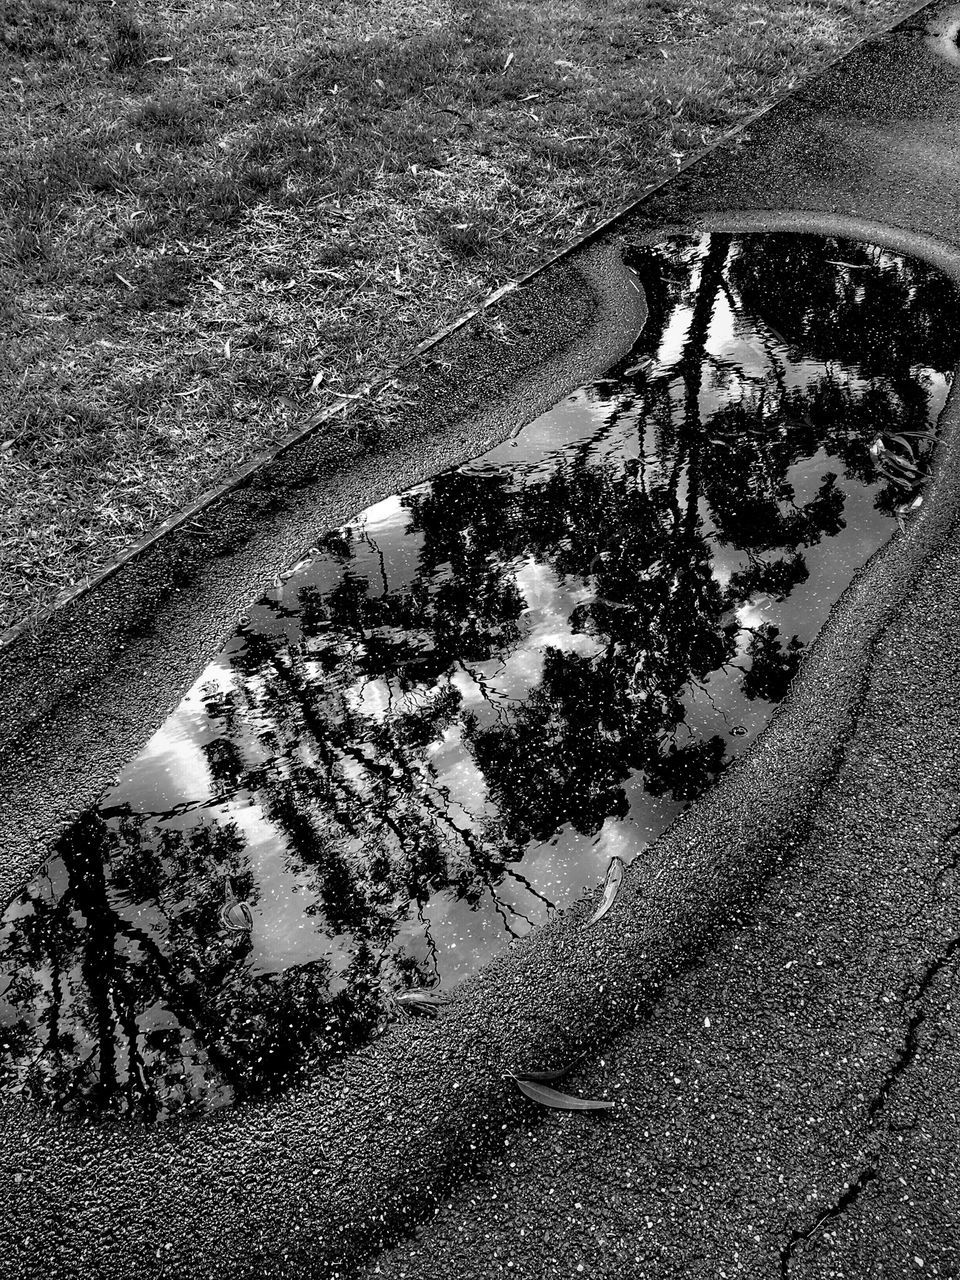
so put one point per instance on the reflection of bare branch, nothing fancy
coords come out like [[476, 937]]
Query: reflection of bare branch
[[702, 688], [432, 950], [522, 879], [487, 694], [498, 906], [378, 552]]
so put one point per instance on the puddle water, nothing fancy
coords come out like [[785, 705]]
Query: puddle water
[[442, 724]]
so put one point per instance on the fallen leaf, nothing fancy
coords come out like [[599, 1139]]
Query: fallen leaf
[[895, 479], [547, 1097], [898, 460], [615, 604], [422, 1000], [236, 916], [427, 995], [904, 510], [611, 887], [508, 61], [902, 440], [484, 470]]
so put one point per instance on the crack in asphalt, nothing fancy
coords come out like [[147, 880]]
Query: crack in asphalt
[[910, 1047], [851, 1193], [902, 1061]]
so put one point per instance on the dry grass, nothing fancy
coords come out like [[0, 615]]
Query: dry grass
[[215, 218]]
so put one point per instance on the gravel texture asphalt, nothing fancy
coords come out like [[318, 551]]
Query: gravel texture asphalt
[[770, 1002]]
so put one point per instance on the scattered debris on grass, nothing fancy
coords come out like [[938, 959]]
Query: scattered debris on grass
[[218, 220]]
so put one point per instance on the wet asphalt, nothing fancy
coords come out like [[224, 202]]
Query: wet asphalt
[[772, 1002]]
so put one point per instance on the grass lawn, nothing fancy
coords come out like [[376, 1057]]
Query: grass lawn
[[215, 217]]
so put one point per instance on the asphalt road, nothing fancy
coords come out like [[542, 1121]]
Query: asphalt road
[[791, 1107], [770, 1002]]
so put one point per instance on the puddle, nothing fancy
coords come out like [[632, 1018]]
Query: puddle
[[442, 724]]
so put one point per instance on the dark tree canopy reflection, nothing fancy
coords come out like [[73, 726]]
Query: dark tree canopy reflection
[[448, 717]]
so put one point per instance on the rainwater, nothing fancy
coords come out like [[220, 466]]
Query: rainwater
[[446, 719]]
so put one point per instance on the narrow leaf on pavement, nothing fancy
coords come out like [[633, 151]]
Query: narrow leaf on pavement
[[547, 1097], [610, 890]]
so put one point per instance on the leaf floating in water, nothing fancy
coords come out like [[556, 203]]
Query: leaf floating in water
[[547, 1097], [611, 888], [904, 444], [484, 470], [904, 510], [422, 1000], [615, 604], [903, 481], [916, 435], [425, 995], [236, 916], [897, 460]]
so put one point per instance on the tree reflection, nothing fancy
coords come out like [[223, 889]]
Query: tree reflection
[[526, 657]]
